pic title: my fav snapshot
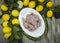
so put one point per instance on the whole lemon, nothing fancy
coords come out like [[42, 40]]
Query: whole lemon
[[7, 35], [5, 23], [25, 2], [49, 13], [15, 13], [39, 8], [15, 21], [7, 29], [50, 4], [41, 1], [4, 7], [6, 17], [32, 4]]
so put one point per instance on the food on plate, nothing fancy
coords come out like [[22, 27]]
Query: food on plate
[[31, 22]]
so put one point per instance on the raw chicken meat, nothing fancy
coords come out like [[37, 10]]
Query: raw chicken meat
[[31, 22]]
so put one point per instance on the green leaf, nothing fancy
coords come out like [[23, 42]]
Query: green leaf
[[17, 32], [9, 24], [56, 9], [9, 1], [15, 5], [16, 28], [13, 41], [18, 36], [10, 7], [44, 11], [11, 38], [46, 1], [15, 0]]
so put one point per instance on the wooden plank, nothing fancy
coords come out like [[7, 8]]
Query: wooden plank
[[49, 30], [57, 35]]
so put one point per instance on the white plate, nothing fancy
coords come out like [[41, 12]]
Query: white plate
[[39, 31]]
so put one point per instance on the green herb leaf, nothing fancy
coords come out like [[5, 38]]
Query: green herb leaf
[[16, 28], [18, 36]]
